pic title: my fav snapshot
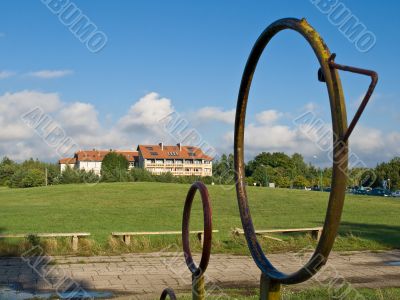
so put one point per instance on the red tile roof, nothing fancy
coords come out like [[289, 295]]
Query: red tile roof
[[172, 152], [98, 155], [67, 161]]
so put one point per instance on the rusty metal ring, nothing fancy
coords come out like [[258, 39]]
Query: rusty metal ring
[[340, 153], [205, 257], [168, 292]]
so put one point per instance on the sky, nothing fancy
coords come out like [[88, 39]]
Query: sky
[[185, 59]]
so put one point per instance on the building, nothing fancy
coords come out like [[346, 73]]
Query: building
[[90, 160], [178, 160], [67, 162]]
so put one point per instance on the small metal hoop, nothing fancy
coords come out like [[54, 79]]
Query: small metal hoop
[[168, 292], [340, 153], [205, 257]]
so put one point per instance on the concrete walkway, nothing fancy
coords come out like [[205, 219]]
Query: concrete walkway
[[144, 276]]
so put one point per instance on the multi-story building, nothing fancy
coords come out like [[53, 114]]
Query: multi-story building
[[178, 160], [90, 160], [157, 159]]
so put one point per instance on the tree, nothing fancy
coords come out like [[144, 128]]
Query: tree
[[389, 170], [7, 169], [114, 167], [223, 169], [300, 182]]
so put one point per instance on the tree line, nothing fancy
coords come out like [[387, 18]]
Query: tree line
[[293, 172], [279, 168]]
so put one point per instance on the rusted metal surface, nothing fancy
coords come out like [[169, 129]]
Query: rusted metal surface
[[328, 72], [368, 94], [168, 293], [198, 287], [198, 282], [205, 257], [271, 278], [269, 290]]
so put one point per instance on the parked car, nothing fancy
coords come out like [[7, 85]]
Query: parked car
[[379, 192], [360, 192], [396, 194]]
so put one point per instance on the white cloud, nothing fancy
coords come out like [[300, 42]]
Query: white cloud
[[79, 118], [268, 116], [6, 74], [49, 74], [310, 106], [211, 113], [370, 145], [81, 122], [146, 113]]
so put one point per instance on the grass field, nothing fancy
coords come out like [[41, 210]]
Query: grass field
[[311, 294], [367, 223]]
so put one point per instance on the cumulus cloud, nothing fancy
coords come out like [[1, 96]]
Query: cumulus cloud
[[211, 113], [80, 122], [368, 145], [146, 112], [6, 74], [50, 74], [268, 116]]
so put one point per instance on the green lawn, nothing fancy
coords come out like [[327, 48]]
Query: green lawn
[[367, 223], [310, 294]]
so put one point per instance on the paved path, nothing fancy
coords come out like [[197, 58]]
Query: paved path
[[144, 276]]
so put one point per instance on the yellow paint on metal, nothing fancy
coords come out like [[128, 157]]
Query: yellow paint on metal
[[198, 288], [269, 290]]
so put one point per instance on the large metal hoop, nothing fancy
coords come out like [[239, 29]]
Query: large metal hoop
[[205, 257], [340, 153]]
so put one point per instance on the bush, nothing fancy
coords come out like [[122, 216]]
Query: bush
[[137, 174], [25, 178], [70, 175]]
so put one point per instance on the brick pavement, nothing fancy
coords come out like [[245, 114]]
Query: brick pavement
[[144, 276]]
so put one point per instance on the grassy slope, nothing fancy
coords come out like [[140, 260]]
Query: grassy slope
[[103, 208]]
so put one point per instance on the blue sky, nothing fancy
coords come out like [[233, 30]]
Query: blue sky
[[188, 57]]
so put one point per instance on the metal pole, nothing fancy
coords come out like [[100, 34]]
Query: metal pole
[[269, 290], [320, 179], [45, 176], [198, 287], [266, 176]]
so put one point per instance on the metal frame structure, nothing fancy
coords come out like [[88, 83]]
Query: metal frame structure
[[198, 282], [271, 278]]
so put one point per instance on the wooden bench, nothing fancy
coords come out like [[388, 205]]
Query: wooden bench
[[126, 236], [74, 236], [315, 232]]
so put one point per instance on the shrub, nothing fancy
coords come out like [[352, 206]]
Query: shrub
[[25, 178], [138, 174]]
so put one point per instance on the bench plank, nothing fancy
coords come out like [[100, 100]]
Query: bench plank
[[126, 236], [156, 232], [315, 231]]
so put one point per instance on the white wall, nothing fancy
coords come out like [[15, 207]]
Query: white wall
[[64, 166], [95, 166]]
